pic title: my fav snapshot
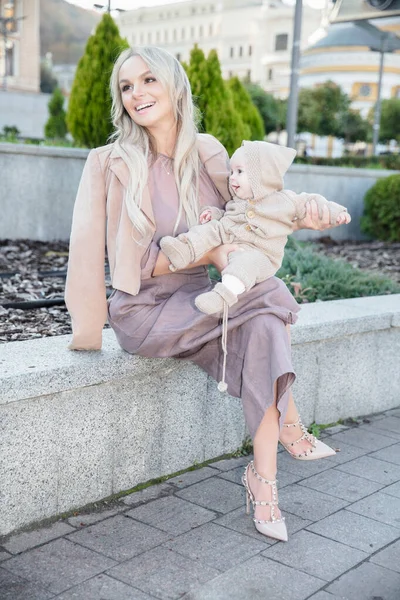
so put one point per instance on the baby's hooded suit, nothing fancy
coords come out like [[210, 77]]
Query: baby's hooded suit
[[260, 225]]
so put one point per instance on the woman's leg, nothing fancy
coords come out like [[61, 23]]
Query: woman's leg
[[265, 445]]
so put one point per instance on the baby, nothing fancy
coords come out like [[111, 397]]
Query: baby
[[259, 219]]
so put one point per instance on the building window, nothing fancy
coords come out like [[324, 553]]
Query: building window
[[158, 36], [141, 38], [183, 33], [270, 74], [230, 74], [365, 90], [240, 50], [7, 59], [210, 29], [212, 8], [193, 10], [166, 35], [248, 75], [178, 56], [192, 32], [250, 50], [175, 35], [9, 13], [281, 42], [201, 31], [133, 39], [232, 52], [149, 37]]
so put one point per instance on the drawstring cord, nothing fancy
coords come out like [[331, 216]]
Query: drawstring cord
[[223, 386]]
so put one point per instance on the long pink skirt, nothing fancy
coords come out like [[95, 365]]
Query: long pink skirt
[[163, 321]]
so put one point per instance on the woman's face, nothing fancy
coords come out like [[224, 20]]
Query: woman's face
[[146, 101]]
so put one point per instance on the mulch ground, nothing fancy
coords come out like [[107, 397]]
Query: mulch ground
[[35, 271]]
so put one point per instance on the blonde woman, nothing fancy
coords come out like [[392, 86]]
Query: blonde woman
[[150, 182]]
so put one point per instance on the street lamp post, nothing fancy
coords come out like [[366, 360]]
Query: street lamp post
[[291, 123]]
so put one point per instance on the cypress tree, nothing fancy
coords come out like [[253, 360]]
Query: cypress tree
[[197, 72], [88, 116], [220, 118], [247, 110], [56, 127]]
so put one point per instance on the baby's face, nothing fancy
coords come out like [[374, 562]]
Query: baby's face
[[238, 179]]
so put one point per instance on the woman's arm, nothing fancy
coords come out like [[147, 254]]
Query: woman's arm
[[312, 220]]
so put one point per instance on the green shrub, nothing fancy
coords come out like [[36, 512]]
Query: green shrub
[[383, 161], [381, 217], [311, 276], [56, 127]]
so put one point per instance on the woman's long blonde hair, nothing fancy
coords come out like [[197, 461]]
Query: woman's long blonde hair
[[134, 143]]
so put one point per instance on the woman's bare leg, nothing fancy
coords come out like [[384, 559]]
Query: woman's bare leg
[[290, 434], [265, 446]]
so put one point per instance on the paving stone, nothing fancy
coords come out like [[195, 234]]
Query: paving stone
[[13, 587], [103, 587], [119, 538], [301, 468], [284, 477], [58, 565], [372, 469], [389, 557], [150, 493], [323, 596], [389, 434], [215, 546], [355, 531], [344, 453], [381, 507], [367, 582], [389, 424], [392, 490], [230, 463], [4, 555], [88, 519], [395, 412], [258, 578], [191, 477], [29, 539], [239, 521], [335, 429], [362, 438], [172, 514], [316, 555], [164, 573], [391, 454], [341, 485], [307, 503], [215, 494]]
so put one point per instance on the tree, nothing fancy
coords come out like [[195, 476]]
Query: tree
[[390, 120], [321, 109], [197, 72], [247, 110], [220, 117], [56, 127], [353, 128], [88, 116], [272, 110], [48, 82]]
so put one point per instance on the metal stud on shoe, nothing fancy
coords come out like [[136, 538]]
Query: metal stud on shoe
[[273, 527], [318, 449]]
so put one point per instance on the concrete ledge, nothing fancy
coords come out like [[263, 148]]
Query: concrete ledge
[[78, 427]]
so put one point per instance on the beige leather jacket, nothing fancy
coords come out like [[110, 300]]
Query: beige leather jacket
[[100, 216]]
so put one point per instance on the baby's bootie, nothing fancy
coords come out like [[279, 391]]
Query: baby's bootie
[[178, 253], [213, 302]]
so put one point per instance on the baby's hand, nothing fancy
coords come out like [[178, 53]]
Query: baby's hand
[[343, 218], [205, 216]]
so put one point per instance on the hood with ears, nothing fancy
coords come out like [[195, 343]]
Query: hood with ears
[[266, 165]]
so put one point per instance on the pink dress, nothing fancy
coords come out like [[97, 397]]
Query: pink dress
[[163, 321]]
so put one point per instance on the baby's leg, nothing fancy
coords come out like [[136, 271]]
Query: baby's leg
[[189, 247], [245, 269]]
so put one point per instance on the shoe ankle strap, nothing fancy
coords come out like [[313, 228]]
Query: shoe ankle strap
[[298, 422], [260, 478]]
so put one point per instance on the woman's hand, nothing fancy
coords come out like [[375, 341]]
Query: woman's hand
[[312, 220], [219, 256]]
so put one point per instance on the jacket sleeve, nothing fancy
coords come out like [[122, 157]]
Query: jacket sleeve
[[300, 201], [85, 292]]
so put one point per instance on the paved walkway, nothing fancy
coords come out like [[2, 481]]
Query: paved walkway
[[190, 537]]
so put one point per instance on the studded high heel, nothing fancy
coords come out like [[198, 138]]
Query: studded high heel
[[318, 449], [275, 527]]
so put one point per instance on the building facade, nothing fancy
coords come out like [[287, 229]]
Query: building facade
[[253, 38], [19, 45], [344, 56]]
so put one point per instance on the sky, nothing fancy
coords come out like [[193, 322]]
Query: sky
[[132, 4]]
